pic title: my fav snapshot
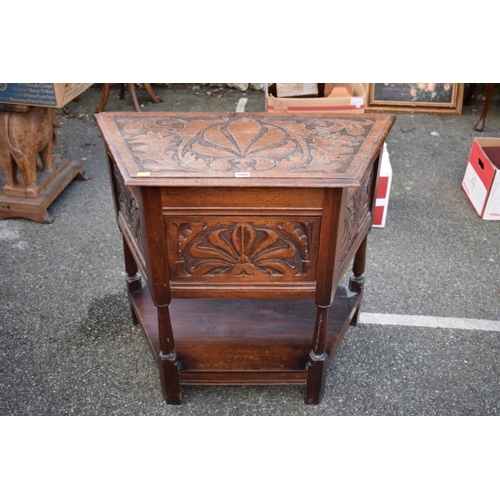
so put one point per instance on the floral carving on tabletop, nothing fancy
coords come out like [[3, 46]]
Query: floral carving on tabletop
[[243, 144], [213, 145], [155, 143], [333, 142]]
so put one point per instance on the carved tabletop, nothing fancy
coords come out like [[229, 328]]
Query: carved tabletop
[[221, 149]]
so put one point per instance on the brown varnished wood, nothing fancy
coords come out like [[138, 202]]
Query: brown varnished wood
[[134, 282], [156, 251], [159, 283], [214, 149], [357, 279], [490, 88], [332, 229], [129, 214], [243, 227], [267, 198], [225, 252], [258, 342]]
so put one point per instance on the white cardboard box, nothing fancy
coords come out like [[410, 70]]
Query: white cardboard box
[[354, 104], [383, 190], [481, 181]]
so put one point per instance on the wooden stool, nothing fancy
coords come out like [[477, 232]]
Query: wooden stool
[[133, 95]]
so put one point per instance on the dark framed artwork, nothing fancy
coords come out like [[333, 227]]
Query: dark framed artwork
[[416, 97]]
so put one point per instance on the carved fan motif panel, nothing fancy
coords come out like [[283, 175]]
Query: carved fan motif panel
[[230, 250]]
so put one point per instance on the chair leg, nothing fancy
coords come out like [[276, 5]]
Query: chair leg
[[487, 101], [151, 93], [133, 95], [104, 98]]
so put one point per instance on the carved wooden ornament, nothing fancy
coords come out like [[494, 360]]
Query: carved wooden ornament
[[257, 147]]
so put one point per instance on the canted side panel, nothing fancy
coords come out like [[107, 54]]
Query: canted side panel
[[128, 202], [240, 250], [357, 218]]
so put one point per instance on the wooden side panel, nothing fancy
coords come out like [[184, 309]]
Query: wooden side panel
[[357, 218], [129, 213]]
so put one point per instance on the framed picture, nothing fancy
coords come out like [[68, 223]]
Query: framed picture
[[416, 97]]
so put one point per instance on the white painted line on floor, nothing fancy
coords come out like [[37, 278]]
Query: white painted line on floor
[[429, 321], [240, 108]]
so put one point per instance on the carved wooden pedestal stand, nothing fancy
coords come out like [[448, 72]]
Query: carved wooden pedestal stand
[[34, 176], [242, 227], [14, 203]]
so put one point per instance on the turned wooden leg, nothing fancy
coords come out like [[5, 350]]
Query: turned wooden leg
[[328, 264], [134, 283], [104, 98], [133, 96], [317, 365], [487, 101], [357, 279], [151, 93], [167, 359]]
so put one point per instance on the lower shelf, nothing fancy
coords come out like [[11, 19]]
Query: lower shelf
[[244, 342]]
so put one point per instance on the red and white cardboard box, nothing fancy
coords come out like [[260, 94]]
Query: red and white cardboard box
[[481, 182], [383, 190]]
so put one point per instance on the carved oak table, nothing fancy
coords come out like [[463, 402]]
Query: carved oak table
[[242, 227]]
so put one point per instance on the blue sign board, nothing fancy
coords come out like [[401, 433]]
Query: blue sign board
[[42, 94]]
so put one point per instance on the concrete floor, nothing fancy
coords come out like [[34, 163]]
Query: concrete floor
[[68, 347]]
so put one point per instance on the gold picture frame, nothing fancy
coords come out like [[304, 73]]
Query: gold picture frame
[[415, 97]]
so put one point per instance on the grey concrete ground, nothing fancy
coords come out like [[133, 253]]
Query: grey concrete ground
[[68, 347]]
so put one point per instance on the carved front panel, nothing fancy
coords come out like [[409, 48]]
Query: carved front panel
[[242, 250]]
